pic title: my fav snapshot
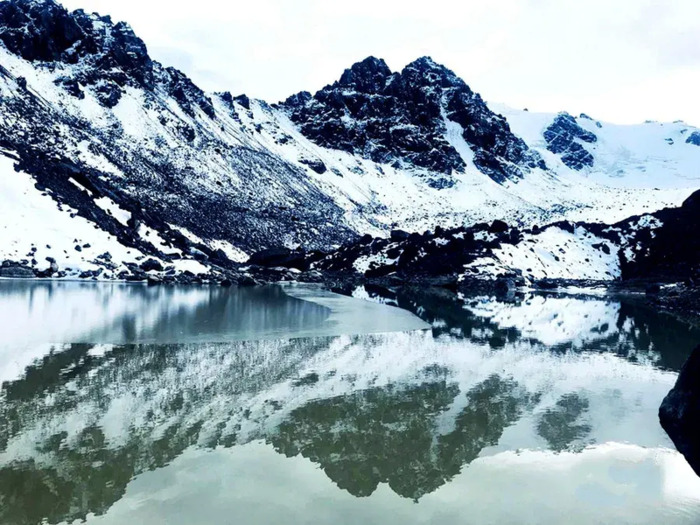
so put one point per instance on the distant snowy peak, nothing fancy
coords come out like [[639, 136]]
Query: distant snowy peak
[[403, 119]]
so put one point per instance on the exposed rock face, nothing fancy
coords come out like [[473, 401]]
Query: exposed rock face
[[282, 257], [563, 137], [16, 271], [673, 252], [110, 56], [402, 118], [679, 413], [437, 256], [693, 138]]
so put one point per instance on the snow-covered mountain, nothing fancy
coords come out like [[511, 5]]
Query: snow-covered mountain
[[109, 156]]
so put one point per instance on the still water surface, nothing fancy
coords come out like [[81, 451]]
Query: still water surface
[[128, 404]]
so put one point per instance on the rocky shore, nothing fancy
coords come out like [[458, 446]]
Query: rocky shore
[[679, 413]]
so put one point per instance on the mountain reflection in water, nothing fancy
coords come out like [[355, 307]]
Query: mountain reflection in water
[[407, 409]]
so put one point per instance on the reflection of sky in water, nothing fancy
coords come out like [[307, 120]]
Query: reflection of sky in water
[[252, 484], [489, 418]]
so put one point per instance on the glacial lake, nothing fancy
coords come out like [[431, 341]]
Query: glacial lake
[[128, 404]]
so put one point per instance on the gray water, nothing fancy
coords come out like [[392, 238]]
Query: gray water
[[204, 405]]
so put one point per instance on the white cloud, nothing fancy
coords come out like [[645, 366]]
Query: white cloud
[[618, 60]]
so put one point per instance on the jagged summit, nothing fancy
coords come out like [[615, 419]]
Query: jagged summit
[[43, 30], [369, 75], [408, 119], [426, 70], [104, 56]]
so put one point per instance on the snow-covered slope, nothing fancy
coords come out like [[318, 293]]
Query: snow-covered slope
[[660, 246], [649, 155], [139, 152]]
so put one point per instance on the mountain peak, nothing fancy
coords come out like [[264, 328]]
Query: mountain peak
[[424, 62], [369, 75], [43, 30], [425, 71], [400, 119]]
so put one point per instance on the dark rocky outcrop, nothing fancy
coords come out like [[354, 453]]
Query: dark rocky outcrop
[[672, 254], [399, 118], [14, 270], [693, 138], [110, 56], [281, 257], [437, 258], [679, 413], [564, 137], [316, 165]]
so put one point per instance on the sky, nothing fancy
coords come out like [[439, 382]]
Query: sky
[[623, 61]]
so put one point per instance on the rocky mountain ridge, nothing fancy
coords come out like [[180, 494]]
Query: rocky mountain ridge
[[402, 118], [128, 161]]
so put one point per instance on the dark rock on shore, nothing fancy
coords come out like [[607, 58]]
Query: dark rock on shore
[[679, 413], [16, 271], [151, 265], [672, 254], [283, 257]]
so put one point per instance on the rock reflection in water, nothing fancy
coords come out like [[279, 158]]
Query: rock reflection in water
[[557, 322], [389, 434]]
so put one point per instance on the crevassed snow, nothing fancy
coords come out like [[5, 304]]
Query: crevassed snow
[[636, 156]]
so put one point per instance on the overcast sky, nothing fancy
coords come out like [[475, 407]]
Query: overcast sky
[[618, 60]]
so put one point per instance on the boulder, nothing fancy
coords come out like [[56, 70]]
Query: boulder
[[280, 257], [247, 280], [151, 265], [399, 235], [17, 272], [316, 165], [498, 226], [679, 413], [53, 268], [198, 254]]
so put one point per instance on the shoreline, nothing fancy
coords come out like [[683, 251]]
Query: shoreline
[[681, 300]]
